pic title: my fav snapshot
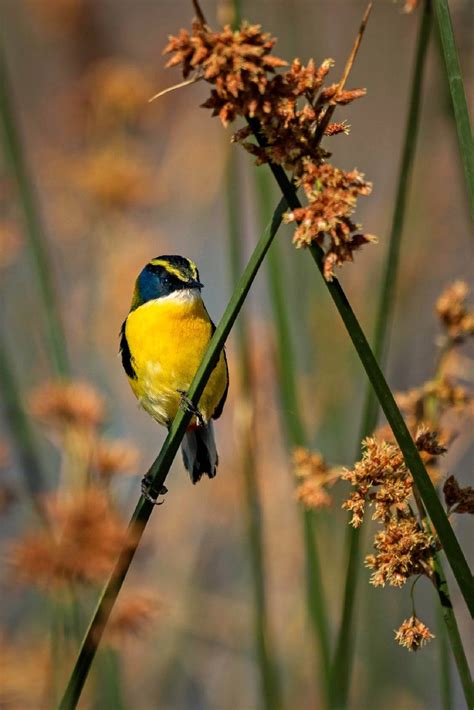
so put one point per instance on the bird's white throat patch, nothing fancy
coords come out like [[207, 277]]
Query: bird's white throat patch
[[183, 296]]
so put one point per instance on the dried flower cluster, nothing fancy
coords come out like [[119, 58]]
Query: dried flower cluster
[[61, 404], [458, 500], [116, 456], [382, 479], [80, 544], [290, 111], [115, 92], [314, 478], [454, 313], [132, 615], [413, 634]]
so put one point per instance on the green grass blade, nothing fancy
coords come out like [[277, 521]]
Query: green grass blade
[[448, 539], [16, 163], [271, 698], [161, 466], [296, 436], [458, 96], [342, 665]]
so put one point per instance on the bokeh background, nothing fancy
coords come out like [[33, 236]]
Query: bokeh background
[[120, 181]]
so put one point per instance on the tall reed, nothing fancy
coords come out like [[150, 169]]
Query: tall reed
[[344, 653]]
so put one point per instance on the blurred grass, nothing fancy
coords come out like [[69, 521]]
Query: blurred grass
[[15, 159], [245, 415], [22, 432], [458, 95], [345, 644], [295, 435]]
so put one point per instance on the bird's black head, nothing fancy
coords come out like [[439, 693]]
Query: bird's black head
[[163, 276]]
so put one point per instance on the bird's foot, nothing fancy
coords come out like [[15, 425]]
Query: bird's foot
[[188, 405], [146, 484]]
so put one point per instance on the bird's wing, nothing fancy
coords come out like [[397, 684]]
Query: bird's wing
[[220, 406], [126, 354]]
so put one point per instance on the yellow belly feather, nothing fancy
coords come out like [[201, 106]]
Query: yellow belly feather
[[167, 340]]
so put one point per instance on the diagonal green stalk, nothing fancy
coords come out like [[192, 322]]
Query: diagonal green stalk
[[447, 537], [458, 96], [15, 159], [159, 470], [271, 697], [296, 436], [344, 653]]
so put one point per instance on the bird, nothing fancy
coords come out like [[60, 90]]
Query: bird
[[162, 342]]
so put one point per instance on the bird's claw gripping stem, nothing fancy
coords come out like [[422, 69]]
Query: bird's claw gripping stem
[[146, 483], [187, 404]]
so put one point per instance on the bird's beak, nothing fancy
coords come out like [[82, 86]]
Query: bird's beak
[[195, 284]]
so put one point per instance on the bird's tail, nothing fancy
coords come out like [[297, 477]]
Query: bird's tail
[[199, 452]]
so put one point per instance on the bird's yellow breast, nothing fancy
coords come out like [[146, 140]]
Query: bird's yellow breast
[[167, 339]]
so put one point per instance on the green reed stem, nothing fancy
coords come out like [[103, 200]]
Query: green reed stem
[[21, 431], [161, 466], [444, 661], [402, 435], [296, 436], [458, 96], [454, 637], [344, 654], [271, 694], [16, 162]]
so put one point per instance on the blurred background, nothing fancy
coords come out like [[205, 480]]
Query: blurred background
[[119, 181]]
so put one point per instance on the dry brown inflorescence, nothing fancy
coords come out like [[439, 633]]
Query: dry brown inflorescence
[[290, 109], [406, 545], [314, 478], [413, 634]]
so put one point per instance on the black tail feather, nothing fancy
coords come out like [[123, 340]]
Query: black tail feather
[[199, 452]]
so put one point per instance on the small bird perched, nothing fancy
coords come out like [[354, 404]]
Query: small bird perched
[[162, 342]]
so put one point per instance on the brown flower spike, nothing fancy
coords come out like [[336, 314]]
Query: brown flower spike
[[291, 110], [413, 634]]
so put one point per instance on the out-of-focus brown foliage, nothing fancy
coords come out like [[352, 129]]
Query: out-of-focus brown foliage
[[10, 244], [114, 456], [61, 404], [25, 672], [314, 478], [454, 313], [80, 544]]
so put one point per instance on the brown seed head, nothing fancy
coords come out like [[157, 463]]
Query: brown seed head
[[413, 634], [80, 545], [458, 500], [62, 404], [114, 456], [404, 549], [454, 313]]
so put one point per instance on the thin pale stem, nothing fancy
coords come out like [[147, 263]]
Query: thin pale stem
[[458, 96], [16, 163], [342, 665], [160, 468]]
